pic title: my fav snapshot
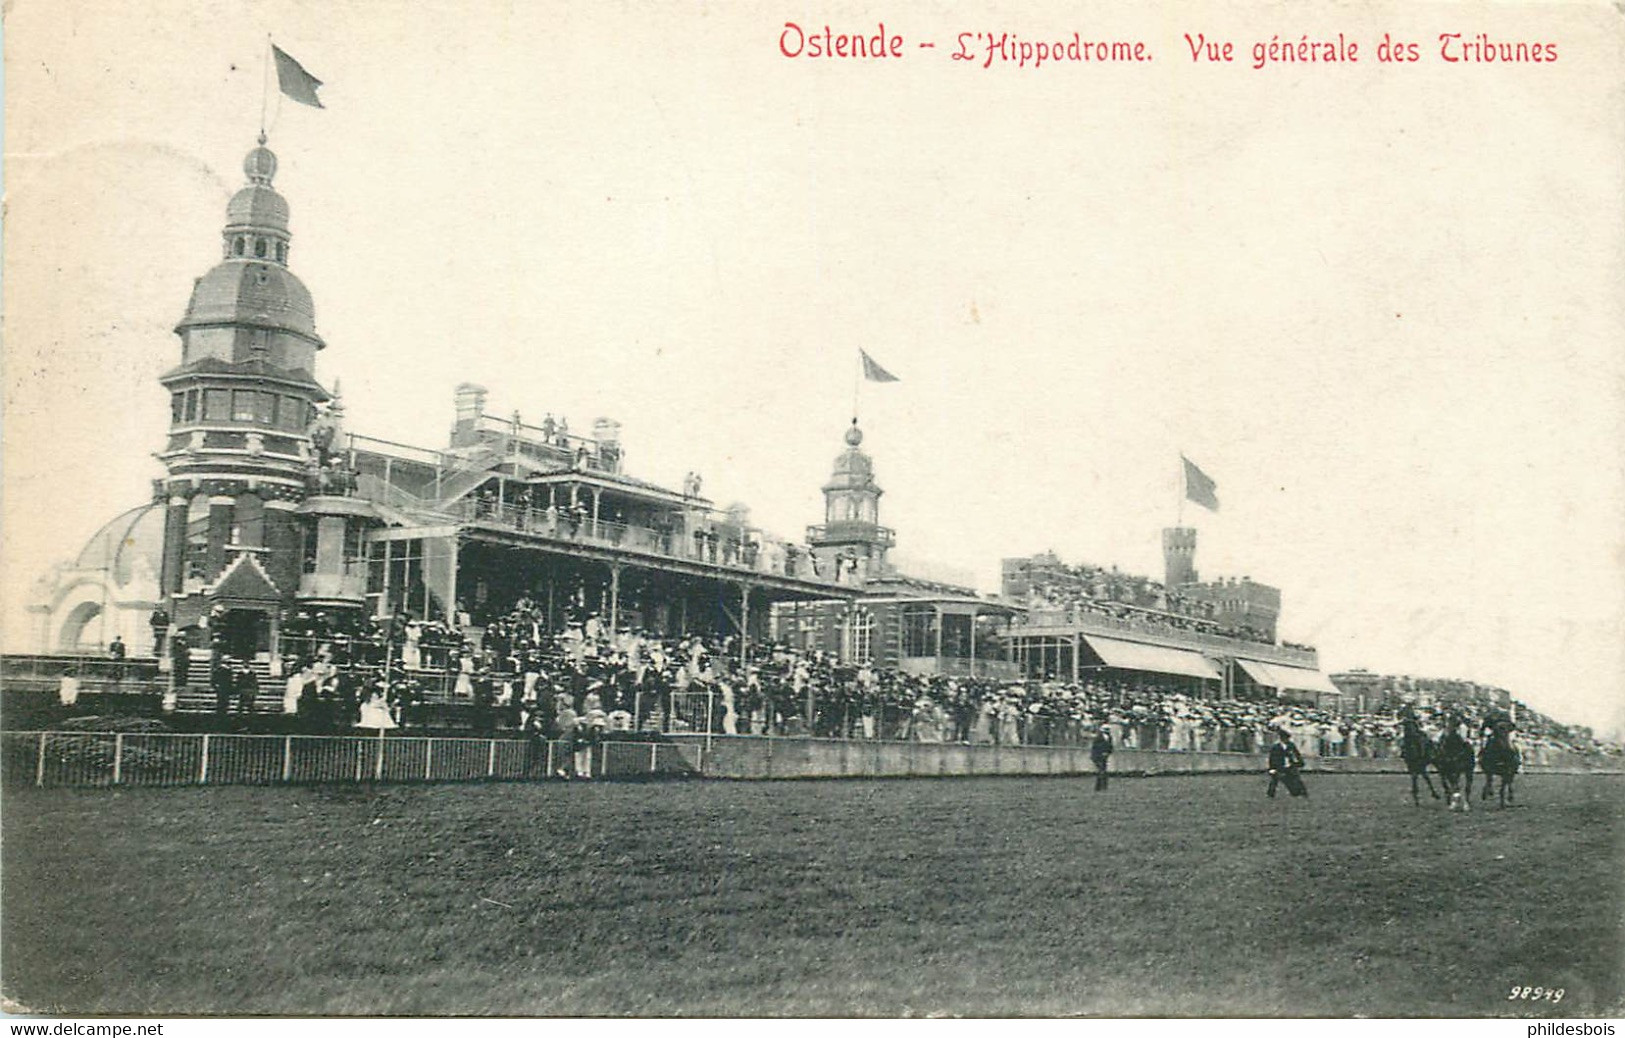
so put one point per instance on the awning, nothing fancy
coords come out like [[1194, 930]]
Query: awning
[[1297, 679], [1154, 659], [1258, 672]]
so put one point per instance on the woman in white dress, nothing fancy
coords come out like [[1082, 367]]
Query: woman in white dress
[[375, 712], [982, 729], [294, 688], [465, 676], [411, 653], [730, 717]]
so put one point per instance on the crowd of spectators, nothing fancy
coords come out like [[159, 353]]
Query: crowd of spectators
[[588, 683], [1135, 600]]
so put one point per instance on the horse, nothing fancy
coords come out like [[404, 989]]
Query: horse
[[1453, 759], [1416, 750], [1500, 759]]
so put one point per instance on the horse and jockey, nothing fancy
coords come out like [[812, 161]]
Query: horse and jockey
[[1453, 757], [1499, 758]]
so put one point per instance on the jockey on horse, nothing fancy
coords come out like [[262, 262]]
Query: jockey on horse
[[1453, 759], [1416, 750], [1499, 757]]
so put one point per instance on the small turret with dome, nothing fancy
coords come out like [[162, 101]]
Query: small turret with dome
[[251, 306], [851, 529]]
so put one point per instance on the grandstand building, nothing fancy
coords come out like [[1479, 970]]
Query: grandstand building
[[269, 504], [270, 507]]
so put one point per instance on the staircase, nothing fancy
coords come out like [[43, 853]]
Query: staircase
[[197, 697]]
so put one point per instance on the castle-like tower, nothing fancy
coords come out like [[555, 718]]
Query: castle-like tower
[[851, 529], [251, 439], [1178, 556]]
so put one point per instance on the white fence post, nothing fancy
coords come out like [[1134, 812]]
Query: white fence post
[[287, 758], [654, 757], [378, 769], [428, 758], [203, 763], [39, 765], [118, 757], [491, 761], [360, 755], [549, 765]]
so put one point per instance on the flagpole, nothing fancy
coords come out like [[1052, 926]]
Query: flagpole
[[265, 87], [1179, 487], [857, 381]]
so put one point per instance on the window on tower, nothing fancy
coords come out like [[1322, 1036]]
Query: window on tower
[[216, 405], [243, 403], [259, 248], [197, 536], [287, 413], [177, 408], [282, 252], [237, 247], [265, 408], [191, 405]]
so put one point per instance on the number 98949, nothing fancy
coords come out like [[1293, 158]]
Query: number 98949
[[1537, 994]]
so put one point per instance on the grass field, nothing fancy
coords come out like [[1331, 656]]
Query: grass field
[[1172, 896]]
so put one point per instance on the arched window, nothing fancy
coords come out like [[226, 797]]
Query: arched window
[[282, 252], [237, 247], [259, 247]]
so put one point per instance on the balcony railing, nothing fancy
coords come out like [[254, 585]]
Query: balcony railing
[[350, 583], [881, 535], [767, 558]]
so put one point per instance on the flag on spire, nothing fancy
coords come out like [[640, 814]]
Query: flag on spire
[[1199, 486], [294, 80], [874, 372]]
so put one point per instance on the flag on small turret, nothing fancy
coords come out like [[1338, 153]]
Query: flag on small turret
[[294, 80], [1199, 486], [874, 372]]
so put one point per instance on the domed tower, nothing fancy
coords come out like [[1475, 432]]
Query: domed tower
[[244, 404], [851, 529]]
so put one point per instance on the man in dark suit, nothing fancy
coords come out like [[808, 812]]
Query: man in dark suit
[[1285, 763], [1100, 752]]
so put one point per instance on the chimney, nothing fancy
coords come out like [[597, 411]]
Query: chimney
[[469, 400]]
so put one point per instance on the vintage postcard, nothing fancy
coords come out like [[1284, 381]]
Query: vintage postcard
[[813, 510]]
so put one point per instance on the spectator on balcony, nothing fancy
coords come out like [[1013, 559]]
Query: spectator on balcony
[[159, 622]]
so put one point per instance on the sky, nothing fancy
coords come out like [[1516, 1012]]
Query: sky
[[1380, 305]]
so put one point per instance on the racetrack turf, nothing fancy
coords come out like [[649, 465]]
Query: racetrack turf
[[996, 896]]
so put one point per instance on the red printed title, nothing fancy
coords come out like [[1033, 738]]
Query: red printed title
[[985, 49]]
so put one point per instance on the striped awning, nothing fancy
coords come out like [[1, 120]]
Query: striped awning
[[1153, 659]]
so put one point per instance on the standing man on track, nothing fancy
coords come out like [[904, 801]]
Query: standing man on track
[[1285, 763], [1100, 752]]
